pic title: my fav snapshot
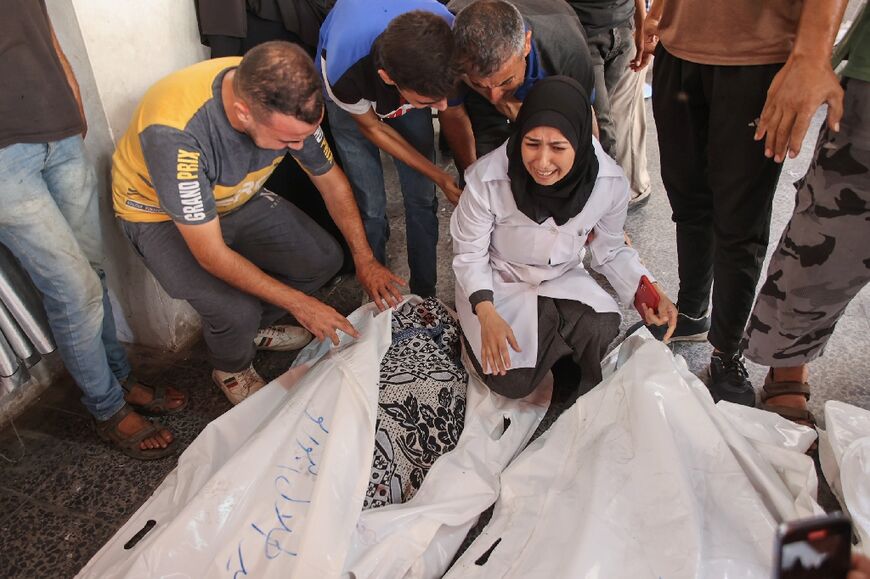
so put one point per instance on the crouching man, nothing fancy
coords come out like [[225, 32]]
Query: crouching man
[[187, 181]]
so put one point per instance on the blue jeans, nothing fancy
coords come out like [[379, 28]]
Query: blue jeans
[[361, 161], [50, 222]]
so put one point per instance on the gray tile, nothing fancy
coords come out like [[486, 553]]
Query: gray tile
[[45, 542], [37, 461], [89, 478], [105, 485], [64, 395], [57, 420], [9, 503]]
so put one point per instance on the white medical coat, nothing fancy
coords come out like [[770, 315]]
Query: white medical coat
[[497, 247]]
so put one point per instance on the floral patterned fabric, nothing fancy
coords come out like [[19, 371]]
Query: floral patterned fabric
[[421, 405]]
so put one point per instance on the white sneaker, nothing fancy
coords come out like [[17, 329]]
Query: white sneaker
[[238, 385], [282, 338]]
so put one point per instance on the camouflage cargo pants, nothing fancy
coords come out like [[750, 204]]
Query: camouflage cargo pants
[[823, 257]]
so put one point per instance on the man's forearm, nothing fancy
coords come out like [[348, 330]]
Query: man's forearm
[[655, 10], [236, 270], [341, 204], [456, 127], [639, 13], [391, 142], [817, 30]]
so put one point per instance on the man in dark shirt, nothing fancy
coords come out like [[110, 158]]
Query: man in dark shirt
[[49, 220], [504, 48]]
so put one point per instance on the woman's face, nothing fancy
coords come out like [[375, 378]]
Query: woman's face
[[547, 155]]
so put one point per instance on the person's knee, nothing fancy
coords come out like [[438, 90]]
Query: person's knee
[[610, 327], [77, 297], [515, 384], [328, 266], [333, 258], [233, 314], [740, 249], [90, 294], [373, 211], [425, 201], [605, 329]]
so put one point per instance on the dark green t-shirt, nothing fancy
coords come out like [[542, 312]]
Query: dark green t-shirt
[[856, 48]]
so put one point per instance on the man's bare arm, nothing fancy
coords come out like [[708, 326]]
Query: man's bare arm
[[338, 196], [804, 83], [646, 34], [70, 77], [207, 246], [378, 281], [456, 127], [390, 141], [641, 55]]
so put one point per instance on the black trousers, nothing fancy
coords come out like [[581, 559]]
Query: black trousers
[[572, 341], [719, 184]]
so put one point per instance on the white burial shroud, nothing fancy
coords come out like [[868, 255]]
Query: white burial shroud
[[645, 477], [275, 487], [642, 477], [844, 451]]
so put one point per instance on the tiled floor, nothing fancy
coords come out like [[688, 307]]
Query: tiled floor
[[63, 493]]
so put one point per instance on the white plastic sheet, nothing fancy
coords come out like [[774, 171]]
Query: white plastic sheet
[[274, 488], [646, 477], [845, 456]]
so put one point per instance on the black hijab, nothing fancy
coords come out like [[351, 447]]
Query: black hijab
[[559, 102]]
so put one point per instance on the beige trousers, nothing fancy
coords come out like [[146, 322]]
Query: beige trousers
[[629, 118]]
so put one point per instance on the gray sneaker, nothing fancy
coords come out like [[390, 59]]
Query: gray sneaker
[[688, 329]]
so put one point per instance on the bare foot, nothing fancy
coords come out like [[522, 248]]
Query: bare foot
[[140, 394], [134, 423]]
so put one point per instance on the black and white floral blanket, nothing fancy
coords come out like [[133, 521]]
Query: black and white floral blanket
[[421, 404]]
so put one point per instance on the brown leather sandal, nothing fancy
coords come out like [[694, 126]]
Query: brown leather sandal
[[129, 445], [800, 415], [159, 404]]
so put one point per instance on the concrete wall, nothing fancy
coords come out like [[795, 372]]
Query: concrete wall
[[118, 48]]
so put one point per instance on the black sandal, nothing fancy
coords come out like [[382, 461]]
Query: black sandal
[[129, 445], [159, 404]]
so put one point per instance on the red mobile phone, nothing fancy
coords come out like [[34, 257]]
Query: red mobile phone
[[646, 294], [815, 547]]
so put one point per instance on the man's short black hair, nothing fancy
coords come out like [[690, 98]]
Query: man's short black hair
[[416, 50], [279, 77]]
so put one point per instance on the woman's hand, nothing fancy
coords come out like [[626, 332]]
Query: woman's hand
[[666, 313], [495, 336]]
